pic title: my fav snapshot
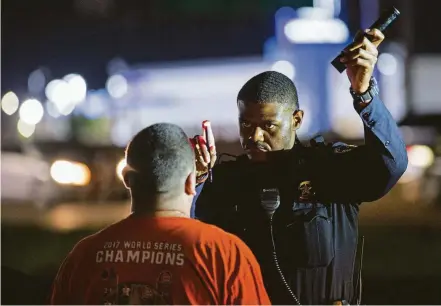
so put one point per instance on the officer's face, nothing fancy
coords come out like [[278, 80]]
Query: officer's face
[[267, 127]]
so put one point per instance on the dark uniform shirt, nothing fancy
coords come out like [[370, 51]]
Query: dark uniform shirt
[[316, 226]]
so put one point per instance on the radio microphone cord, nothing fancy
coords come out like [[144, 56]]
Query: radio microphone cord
[[270, 201]]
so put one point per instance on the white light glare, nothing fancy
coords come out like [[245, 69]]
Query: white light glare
[[77, 87], [387, 64], [316, 31], [420, 156], [52, 109], [57, 91], [70, 173], [285, 68], [119, 168], [31, 111], [10, 103], [26, 130], [117, 86], [67, 93]]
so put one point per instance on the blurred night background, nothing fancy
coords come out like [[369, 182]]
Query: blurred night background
[[80, 77]]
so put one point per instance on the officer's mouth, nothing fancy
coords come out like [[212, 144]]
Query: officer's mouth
[[258, 149]]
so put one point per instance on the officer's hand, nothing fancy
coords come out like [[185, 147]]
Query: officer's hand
[[202, 154], [360, 59]]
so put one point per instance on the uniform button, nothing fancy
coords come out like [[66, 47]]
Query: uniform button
[[372, 123], [387, 143], [366, 115]]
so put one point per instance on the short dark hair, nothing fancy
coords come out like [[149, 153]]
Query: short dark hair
[[161, 157], [270, 87]]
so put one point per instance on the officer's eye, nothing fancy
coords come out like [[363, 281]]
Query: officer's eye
[[245, 124], [269, 126]]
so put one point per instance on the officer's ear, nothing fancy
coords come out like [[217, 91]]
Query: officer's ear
[[127, 173], [297, 118]]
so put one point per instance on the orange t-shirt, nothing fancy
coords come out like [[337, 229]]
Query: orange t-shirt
[[160, 260]]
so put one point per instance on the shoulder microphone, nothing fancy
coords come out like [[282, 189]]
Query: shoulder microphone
[[270, 200]]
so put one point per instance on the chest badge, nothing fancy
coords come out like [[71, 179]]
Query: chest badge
[[306, 191]]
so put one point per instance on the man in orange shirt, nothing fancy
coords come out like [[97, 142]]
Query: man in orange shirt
[[158, 254]]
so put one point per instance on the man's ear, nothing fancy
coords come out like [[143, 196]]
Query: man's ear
[[190, 184], [297, 117], [126, 173]]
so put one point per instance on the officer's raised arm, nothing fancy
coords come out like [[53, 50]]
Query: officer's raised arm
[[368, 172]]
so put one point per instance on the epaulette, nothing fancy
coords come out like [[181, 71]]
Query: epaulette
[[233, 158], [336, 147], [340, 147]]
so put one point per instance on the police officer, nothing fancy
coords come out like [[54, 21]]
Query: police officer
[[314, 232]]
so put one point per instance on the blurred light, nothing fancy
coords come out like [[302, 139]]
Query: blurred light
[[77, 87], [95, 105], [285, 12], [117, 86], [36, 81], [314, 13], [332, 6], [316, 30], [119, 168], [411, 174], [10, 103], [52, 109], [66, 109], [57, 91], [31, 111], [25, 129], [285, 68], [387, 64], [269, 48], [67, 93], [64, 218], [420, 156], [70, 173], [121, 132]]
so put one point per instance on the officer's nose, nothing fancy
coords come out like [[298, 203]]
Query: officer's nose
[[257, 135]]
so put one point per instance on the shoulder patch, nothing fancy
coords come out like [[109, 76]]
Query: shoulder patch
[[340, 147]]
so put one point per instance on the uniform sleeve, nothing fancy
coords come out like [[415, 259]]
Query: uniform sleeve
[[365, 173], [210, 205], [244, 282], [195, 198], [61, 287]]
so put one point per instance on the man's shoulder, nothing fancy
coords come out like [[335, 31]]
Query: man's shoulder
[[85, 242], [92, 239], [214, 235], [208, 231]]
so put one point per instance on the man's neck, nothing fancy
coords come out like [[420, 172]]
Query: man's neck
[[160, 206]]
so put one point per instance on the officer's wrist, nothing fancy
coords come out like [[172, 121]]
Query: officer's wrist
[[364, 98], [200, 178]]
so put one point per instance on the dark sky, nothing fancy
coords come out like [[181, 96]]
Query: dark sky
[[56, 35], [67, 37]]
